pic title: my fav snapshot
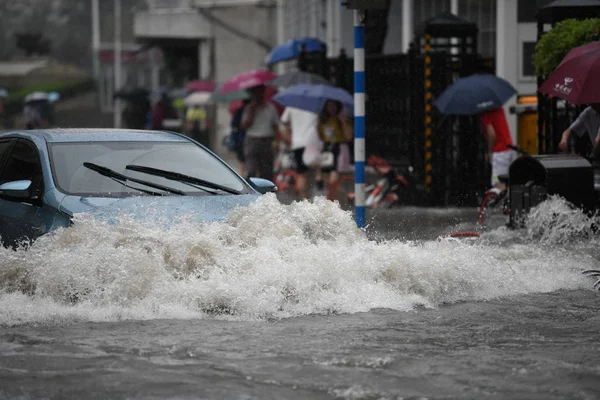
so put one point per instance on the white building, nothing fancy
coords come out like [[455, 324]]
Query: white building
[[220, 38], [507, 30]]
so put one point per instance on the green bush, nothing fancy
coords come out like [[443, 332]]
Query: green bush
[[13, 104], [48, 87], [564, 36]]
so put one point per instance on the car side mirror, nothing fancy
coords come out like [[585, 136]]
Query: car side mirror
[[16, 189], [262, 185]]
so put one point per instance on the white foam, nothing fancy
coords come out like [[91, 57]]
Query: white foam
[[267, 260]]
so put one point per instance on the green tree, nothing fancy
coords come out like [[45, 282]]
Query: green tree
[[564, 36]]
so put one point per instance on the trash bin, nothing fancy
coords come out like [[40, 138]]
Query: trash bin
[[527, 119], [533, 178]]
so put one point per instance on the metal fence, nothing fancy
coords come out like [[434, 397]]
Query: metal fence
[[396, 118]]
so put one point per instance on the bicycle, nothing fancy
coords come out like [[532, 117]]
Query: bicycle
[[383, 188], [498, 199]]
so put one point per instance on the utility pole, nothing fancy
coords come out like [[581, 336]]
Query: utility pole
[[95, 38], [117, 62], [360, 8]]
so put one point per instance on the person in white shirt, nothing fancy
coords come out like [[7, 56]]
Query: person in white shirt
[[261, 123], [301, 125]]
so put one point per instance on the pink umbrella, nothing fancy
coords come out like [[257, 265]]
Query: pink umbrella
[[269, 93], [201, 86], [577, 77], [247, 80]]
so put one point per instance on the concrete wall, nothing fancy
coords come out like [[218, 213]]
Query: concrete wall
[[178, 25]]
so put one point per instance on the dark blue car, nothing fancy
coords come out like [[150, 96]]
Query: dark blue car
[[48, 176]]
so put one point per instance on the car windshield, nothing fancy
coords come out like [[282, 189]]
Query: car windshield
[[71, 177]]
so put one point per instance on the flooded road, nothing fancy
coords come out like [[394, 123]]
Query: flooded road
[[293, 301]]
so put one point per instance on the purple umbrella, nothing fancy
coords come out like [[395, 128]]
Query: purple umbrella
[[312, 97]]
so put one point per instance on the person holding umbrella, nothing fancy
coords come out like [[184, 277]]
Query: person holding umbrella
[[333, 127], [484, 95], [334, 130], [577, 79], [301, 126], [497, 134], [260, 121]]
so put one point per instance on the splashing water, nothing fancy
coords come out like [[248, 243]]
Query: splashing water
[[556, 221], [266, 260]]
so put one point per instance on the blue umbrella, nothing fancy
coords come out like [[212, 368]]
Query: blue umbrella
[[312, 97], [291, 49], [474, 94]]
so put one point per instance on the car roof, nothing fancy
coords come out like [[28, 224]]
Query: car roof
[[97, 135]]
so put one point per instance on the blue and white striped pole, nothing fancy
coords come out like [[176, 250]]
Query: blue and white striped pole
[[359, 118]]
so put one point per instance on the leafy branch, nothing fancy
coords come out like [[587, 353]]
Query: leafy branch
[[564, 36]]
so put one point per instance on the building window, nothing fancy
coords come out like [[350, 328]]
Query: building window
[[528, 69], [483, 13], [527, 9]]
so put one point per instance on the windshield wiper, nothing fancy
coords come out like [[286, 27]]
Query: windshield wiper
[[118, 177], [176, 176]]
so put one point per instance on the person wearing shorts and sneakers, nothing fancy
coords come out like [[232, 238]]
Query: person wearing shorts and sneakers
[[301, 125], [497, 133]]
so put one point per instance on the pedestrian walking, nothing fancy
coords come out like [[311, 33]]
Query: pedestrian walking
[[334, 130], [162, 110], [300, 125], [196, 123], [261, 124], [237, 137]]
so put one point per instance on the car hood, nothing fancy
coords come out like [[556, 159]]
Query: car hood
[[205, 208]]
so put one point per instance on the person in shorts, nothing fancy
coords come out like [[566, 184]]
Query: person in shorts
[[497, 133], [300, 125]]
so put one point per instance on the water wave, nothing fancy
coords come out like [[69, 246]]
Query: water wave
[[556, 221], [266, 260]]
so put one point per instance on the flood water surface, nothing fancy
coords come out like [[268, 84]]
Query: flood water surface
[[293, 301]]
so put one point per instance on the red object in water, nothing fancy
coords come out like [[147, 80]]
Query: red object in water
[[201, 86], [247, 80], [577, 77]]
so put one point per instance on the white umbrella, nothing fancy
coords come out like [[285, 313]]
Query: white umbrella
[[197, 99], [36, 96]]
